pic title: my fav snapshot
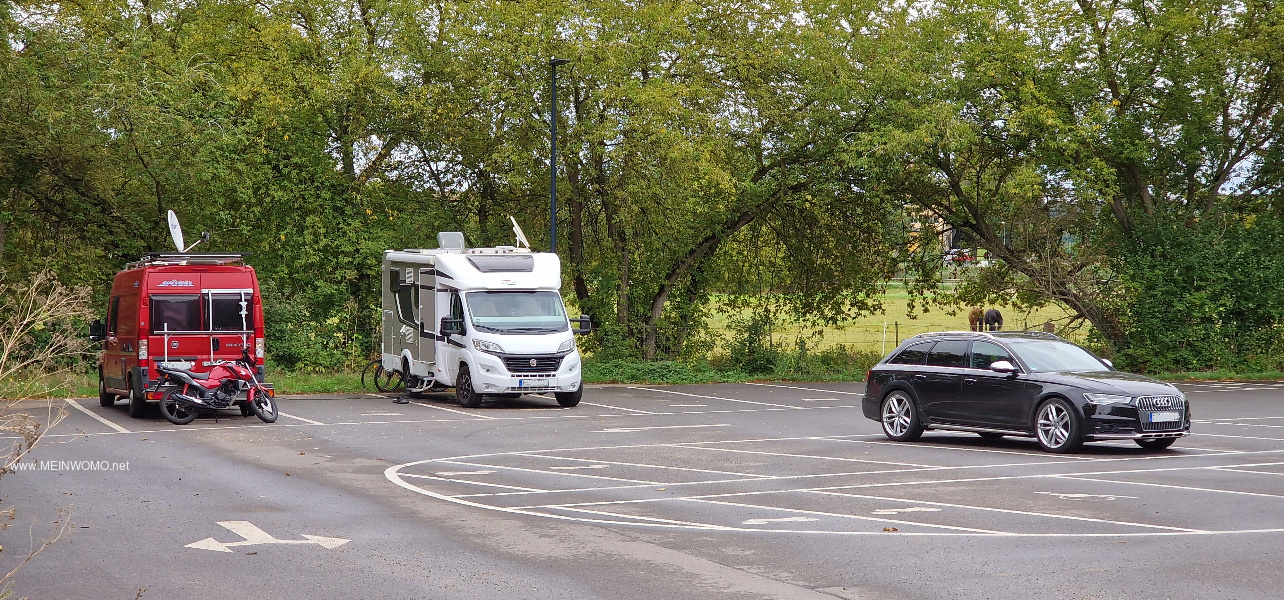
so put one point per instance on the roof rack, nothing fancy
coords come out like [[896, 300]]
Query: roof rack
[[188, 258], [991, 334]]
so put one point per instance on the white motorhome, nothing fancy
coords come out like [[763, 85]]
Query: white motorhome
[[486, 321]]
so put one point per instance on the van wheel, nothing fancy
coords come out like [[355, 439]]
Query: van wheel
[[569, 399], [468, 397], [137, 403], [104, 398]]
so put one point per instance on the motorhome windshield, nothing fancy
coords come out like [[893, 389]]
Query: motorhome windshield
[[517, 312]]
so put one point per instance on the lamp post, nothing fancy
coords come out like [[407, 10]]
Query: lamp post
[[552, 168]]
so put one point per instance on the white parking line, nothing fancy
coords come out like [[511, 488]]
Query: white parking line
[[794, 387], [843, 516], [558, 473], [1167, 486], [721, 398], [451, 410], [838, 458], [633, 429], [960, 448], [1235, 419], [469, 481], [1007, 510], [96, 416], [308, 421], [632, 410], [1238, 437], [630, 464]]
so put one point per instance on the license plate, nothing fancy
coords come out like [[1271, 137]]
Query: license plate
[[1164, 417], [176, 365]]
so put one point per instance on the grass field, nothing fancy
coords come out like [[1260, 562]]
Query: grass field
[[882, 332]]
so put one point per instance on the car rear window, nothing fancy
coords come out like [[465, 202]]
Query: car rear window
[[949, 353], [913, 355]]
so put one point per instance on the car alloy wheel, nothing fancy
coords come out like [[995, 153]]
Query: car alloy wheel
[[900, 419], [1057, 427]]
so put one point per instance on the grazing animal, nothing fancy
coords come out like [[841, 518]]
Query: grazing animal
[[1048, 327], [975, 318], [993, 320]]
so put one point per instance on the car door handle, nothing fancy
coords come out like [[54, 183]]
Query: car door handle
[[920, 377], [969, 380]]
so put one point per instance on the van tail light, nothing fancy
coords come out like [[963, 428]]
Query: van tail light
[[868, 374], [258, 348], [142, 349]]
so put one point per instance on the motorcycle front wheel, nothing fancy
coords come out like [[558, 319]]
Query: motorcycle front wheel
[[175, 412], [264, 407]]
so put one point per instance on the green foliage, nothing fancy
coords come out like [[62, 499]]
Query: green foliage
[[751, 349], [793, 158], [1204, 296]]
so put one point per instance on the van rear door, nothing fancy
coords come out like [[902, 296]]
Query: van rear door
[[230, 318], [178, 329]]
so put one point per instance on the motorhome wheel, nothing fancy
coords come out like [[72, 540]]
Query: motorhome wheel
[[569, 399], [468, 397]]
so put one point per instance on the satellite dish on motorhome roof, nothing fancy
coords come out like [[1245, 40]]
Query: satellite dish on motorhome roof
[[175, 231], [521, 237]]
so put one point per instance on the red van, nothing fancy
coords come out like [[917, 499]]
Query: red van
[[187, 310]]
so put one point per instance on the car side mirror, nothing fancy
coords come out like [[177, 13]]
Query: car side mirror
[[394, 280], [1002, 366], [586, 325], [97, 331], [451, 326], [1108, 363]]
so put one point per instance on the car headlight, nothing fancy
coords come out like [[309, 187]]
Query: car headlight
[[567, 346], [488, 347], [1100, 399]]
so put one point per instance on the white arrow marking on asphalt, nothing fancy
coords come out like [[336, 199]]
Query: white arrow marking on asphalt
[[253, 535], [781, 520], [451, 473], [628, 429], [1083, 496], [893, 511]]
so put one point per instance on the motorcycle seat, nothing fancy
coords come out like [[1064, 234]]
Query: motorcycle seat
[[189, 373]]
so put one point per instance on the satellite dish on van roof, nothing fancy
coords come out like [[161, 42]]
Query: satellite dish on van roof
[[521, 237], [175, 231]]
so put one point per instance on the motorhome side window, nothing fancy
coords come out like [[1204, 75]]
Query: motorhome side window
[[232, 313], [408, 303], [456, 306], [113, 315], [176, 313]]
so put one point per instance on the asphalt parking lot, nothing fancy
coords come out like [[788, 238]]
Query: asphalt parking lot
[[729, 491]]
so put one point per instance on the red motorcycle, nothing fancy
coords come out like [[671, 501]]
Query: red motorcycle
[[189, 393]]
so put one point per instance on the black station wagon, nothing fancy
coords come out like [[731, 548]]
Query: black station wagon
[[1019, 383]]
